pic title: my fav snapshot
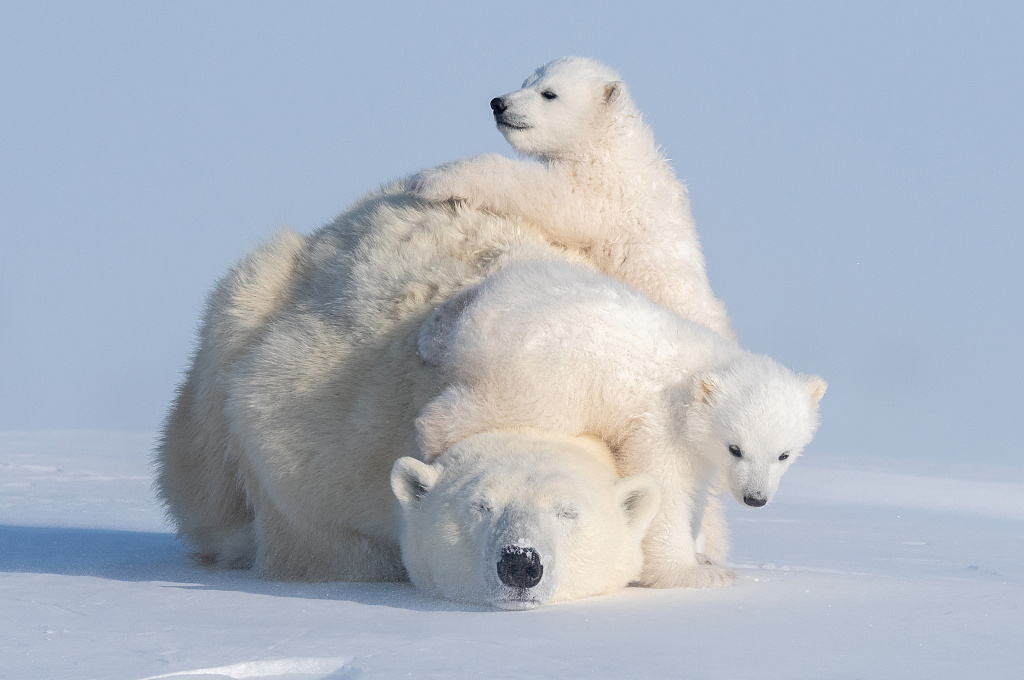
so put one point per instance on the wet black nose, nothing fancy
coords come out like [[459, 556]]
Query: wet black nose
[[754, 502], [498, 105], [520, 567]]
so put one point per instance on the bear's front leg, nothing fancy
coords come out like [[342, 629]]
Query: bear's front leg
[[671, 559], [466, 180], [490, 182], [673, 556]]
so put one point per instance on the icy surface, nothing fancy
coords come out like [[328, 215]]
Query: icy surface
[[860, 568]]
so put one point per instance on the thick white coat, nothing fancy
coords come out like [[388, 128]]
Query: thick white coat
[[279, 448], [560, 347], [600, 185], [305, 383]]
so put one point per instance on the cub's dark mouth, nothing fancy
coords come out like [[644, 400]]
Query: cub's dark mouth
[[511, 126]]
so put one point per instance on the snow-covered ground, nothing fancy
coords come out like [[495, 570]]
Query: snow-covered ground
[[861, 568]]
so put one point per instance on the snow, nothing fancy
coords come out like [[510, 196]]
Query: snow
[[860, 568]]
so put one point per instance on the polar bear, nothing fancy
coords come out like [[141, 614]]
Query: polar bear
[[514, 519], [278, 450], [602, 185], [561, 347]]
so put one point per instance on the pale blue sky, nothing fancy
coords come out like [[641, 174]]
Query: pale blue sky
[[856, 170]]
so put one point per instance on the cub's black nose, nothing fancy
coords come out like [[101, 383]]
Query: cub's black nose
[[520, 567], [498, 105], [754, 502]]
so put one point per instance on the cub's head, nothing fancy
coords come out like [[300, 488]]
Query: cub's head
[[565, 105], [515, 520], [753, 418]]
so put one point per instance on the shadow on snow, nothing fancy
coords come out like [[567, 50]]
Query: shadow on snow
[[147, 556]]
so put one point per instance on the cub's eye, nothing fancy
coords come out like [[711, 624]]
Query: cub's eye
[[784, 456], [735, 450], [548, 94], [480, 505]]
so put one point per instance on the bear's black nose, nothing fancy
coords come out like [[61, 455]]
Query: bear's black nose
[[520, 567], [498, 105], [754, 502]]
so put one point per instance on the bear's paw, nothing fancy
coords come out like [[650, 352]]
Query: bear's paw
[[689, 576]]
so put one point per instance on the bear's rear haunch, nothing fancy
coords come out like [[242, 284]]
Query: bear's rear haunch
[[201, 471]]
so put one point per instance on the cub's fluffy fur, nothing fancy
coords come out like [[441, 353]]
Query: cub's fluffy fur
[[601, 186]]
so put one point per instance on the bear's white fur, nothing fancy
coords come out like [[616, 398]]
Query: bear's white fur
[[560, 347], [201, 466], [602, 185], [516, 519], [305, 385]]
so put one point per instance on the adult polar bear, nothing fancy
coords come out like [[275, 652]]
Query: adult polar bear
[[303, 391], [602, 187]]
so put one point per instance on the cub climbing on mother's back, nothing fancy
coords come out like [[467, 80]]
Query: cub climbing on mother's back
[[602, 185]]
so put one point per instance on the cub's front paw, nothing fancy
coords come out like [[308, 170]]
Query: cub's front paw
[[708, 576], [688, 576]]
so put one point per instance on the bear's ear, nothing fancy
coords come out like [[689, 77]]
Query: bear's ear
[[639, 497], [410, 480], [816, 386], [703, 387], [614, 92]]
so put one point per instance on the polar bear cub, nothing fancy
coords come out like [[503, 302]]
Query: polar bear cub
[[602, 185], [517, 519], [559, 347]]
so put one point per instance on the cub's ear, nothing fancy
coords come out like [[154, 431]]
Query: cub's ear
[[816, 386], [410, 480], [436, 333], [702, 387], [614, 92], [639, 497]]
